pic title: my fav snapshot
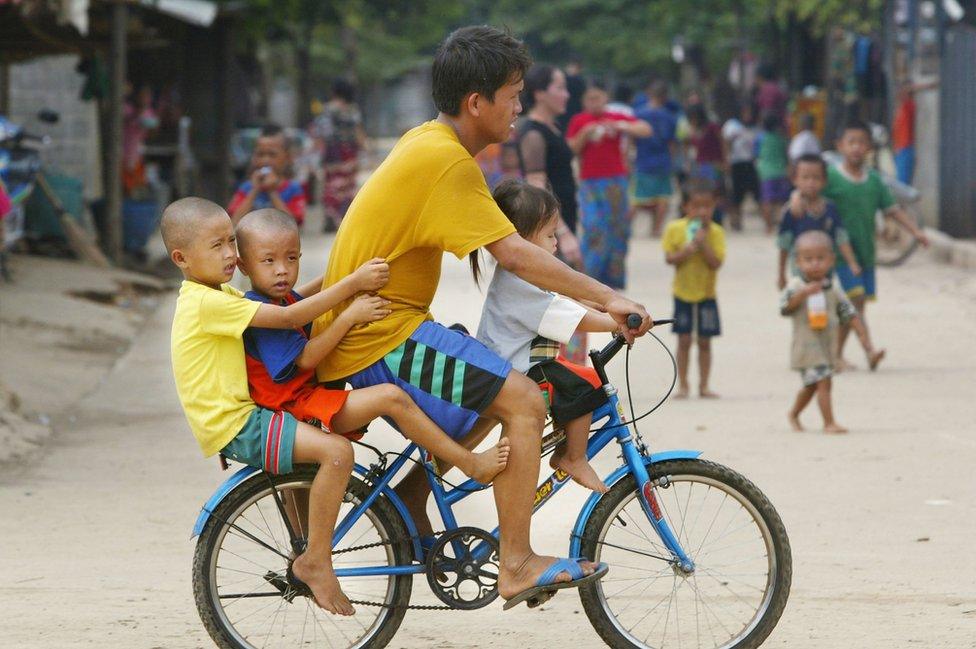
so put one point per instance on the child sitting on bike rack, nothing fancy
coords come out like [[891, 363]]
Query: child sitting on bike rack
[[525, 325]]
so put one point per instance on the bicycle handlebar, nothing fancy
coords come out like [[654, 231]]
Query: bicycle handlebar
[[604, 356]]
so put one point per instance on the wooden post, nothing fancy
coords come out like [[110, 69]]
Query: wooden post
[[225, 106], [113, 132]]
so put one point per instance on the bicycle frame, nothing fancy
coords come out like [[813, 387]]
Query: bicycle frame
[[635, 463]]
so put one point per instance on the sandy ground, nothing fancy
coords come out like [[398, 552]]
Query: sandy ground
[[96, 548]]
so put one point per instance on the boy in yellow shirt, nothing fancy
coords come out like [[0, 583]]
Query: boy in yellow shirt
[[211, 378], [695, 246]]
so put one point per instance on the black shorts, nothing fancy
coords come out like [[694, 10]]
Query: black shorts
[[570, 390], [700, 317], [745, 180]]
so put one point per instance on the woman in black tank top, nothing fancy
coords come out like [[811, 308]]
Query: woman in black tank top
[[546, 157]]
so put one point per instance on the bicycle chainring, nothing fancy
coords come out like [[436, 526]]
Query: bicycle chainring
[[462, 568]]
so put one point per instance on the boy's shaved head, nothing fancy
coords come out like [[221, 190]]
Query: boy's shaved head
[[261, 222], [181, 219], [814, 239]]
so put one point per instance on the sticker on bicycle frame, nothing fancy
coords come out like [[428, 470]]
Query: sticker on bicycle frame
[[651, 500]]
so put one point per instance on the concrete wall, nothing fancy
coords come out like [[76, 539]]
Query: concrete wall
[[927, 143], [51, 82]]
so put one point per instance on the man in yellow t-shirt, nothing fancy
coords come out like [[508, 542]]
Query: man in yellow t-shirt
[[695, 246], [429, 197]]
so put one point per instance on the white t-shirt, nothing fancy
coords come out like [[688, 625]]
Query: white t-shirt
[[525, 324], [802, 143], [741, 139]]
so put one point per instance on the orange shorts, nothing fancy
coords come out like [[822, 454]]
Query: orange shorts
[[321, 404]]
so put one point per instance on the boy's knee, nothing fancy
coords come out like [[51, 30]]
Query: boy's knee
[[684, 340], [337, 452], [704, 343]]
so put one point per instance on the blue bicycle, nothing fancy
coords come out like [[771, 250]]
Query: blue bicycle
[[698, 556]]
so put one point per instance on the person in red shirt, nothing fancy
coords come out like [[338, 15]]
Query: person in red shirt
[[269, 185], [594, 136]]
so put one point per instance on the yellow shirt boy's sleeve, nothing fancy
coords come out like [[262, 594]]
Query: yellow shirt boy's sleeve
[[674, 237], [225, 314], [716, 238], [461, 216]]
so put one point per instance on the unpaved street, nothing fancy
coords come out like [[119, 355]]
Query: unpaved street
[[95, 534]]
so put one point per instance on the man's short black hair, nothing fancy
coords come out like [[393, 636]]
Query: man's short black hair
[[478, 59], [811, 158], [856, 125], [272, 130]]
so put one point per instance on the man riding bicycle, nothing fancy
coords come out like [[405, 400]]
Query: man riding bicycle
[[428, 197]]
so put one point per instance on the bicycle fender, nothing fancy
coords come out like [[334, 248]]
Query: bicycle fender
[[219, 495], [576, 538], [246, 472]]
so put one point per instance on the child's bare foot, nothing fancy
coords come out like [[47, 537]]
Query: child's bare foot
[[834, 428], [486, 465], [682, 392], [875, 359], [795, 421], [705, 393], [580, 471], [844, 366], [321, 579]]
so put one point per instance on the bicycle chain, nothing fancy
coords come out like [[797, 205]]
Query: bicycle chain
[[415, 607]]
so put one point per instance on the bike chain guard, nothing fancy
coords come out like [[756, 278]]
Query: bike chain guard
[[462, 568]]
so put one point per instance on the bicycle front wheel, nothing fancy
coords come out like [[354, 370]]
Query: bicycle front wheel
[[239, 571], [743, 565]]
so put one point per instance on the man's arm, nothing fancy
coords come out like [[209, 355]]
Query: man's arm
[[538, 267]]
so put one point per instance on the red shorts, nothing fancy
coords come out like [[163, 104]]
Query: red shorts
[[321, 404]]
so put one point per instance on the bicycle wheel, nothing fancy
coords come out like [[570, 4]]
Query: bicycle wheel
[[895, 244], [240, 585], [743, 565]]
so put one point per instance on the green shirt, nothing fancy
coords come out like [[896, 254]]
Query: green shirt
[[771, 159], [858, 201]]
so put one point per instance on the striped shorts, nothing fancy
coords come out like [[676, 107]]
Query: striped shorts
[[266, 441], [450, 375]]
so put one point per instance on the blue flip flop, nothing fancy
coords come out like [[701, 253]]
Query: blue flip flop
[[546, 585]]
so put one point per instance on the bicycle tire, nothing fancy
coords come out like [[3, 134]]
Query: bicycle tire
[[381, 516], [895, 244], [611, 509]]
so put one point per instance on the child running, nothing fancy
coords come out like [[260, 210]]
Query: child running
[[281, 362], [818, 310], [525, 325], [695, 246]]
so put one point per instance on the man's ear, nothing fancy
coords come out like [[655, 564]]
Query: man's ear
[[472, 103]]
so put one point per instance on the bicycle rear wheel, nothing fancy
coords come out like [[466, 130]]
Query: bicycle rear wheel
[[743, 565], [240, 585], [894, 243]]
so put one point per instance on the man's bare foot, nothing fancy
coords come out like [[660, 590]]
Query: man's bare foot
[[579, 470], [705, 393], [875, 359], [682, 392], [844, 366], [834, 428], [795, 421], [321, 579], [516, 576], [487, 464]]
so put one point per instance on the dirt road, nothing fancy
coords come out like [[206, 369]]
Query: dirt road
[[95, 534]]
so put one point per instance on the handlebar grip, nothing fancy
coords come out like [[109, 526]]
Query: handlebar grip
[[634, 321]]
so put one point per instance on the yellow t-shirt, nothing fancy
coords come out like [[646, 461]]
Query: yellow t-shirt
[[208, 361], [429, 196], [694, 281]]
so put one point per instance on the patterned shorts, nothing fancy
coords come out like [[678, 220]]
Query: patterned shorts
[[815, 374]]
